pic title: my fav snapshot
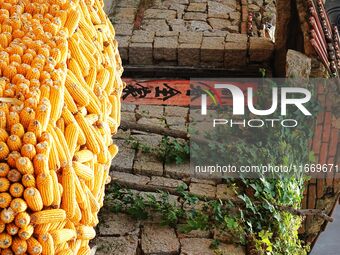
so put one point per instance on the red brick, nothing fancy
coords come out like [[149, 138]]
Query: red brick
[[333, 142], [320, 118], [244, 13], [311, 196], [244, 27], [330, 174], [323, 153], [320, 187], [321, 88], [322, 100], [327, 127], [313, 180], [317, 139], [329, 104]]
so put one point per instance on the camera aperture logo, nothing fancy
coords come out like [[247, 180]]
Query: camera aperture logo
[[242, 99]]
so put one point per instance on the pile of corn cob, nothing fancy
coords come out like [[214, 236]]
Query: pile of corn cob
[[59, 105]]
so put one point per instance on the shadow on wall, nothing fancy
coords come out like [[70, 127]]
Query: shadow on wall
[[329, 241]]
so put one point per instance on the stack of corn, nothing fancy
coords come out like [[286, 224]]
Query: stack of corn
[[59, 105]]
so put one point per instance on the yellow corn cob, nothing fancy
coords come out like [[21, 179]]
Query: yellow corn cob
[[77, 92], [33, 246], [63, 143], [18, 205], [61, 124], [28, 181], [84, 251], [45, 187], [3, 135], [4, 150], [24, 165], [19, 246], [4, 184], [5, 240], [78, 55], [22, 219], [17, 189], [57, 102], [47, 243], [29, 138], [14, 175], [71, 136], [83, 171], [35, 127], [17, 129], [28, 150], [7, 215], [69, 193], [83, 156], [56, 192], [62, 235], [12, 229], [26, 232], [72, 21], [5, 199], [48, 216], [43, 114], [91, 141], [33, 199], [71, 105], [99, 173], [85, 232]]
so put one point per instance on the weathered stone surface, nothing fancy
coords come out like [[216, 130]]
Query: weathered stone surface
[[236, 38], [218, 10], [233, 29], [200, 246], [203, 190], [190, 37], [165, 48], [150, 140], [178, 25], [123, 45], [124, 245], [129, 180], [141, 36], [224, 192], [197, 7], [189, 54], [151, 121], [150, 111], [212, 49], [128, 116], [176, 111], [261, 49], [147, 164], [128, 3], [198, 26], [177, 171], [125, 107], [235, 17], [298, 65], [165, 183], [235, 54], [175, 121], [117, 224], [167, 34], [135, 56], [159, 240], [124, 160], [195, 16], [155, 25], [124, 29], [159, 14], [219, 24], [215, 33], [124, 15]]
